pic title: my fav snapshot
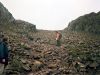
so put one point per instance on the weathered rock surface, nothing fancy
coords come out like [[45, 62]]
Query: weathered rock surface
[[5, 15], [87, 23], [8, 22]]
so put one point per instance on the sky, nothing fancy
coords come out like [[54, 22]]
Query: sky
[[50, 14]]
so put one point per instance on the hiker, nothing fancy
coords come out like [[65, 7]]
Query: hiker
[[58, 38], [3, 53]]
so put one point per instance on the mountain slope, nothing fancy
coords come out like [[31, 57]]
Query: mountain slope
[[9, 23], [88, 23], [37, 53], [5, 15]]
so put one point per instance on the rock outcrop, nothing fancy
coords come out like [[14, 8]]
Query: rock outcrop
[[5, 15], [8, 22], [87, 23], [26, 26]]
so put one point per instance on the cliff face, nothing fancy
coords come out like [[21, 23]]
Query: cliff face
[[87, 23], [5, 15]]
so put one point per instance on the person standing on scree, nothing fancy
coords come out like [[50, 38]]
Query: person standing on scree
[[58, 38], [3, 53]]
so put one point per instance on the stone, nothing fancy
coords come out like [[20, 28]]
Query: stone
[[37, 65], [26, 67]]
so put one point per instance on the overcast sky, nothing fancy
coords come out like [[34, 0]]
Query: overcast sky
[[50, 14]]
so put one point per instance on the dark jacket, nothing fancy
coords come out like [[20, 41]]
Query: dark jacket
[[3, 50]]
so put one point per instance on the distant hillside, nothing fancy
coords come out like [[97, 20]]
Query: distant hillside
[[88, 23], [26, 26], [8, 22]]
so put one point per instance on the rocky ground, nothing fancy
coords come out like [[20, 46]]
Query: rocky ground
[[36, 54], [33, 52]]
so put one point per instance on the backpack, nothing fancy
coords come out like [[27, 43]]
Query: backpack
[[60, 36]]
